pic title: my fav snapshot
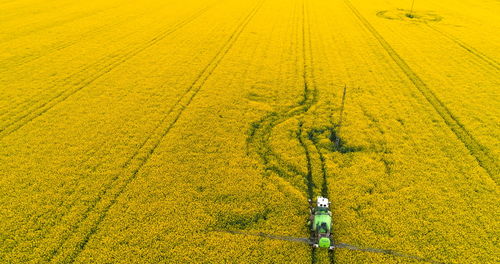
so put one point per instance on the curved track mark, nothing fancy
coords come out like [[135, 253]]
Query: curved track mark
[[260, 132], [309, 176], [324, 189]]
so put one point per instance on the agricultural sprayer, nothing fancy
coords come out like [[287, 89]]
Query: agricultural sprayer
[[320, 224]]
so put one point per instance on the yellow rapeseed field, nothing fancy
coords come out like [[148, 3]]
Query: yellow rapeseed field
[[144, 131]]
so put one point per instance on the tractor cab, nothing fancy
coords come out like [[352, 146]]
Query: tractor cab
[[322, 202]]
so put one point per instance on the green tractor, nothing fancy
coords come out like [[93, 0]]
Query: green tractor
[[320, 222]]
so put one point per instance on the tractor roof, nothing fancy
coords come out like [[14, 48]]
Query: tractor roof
[[322, 202]]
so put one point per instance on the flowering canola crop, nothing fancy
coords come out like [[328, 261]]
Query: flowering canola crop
[[139, 132]]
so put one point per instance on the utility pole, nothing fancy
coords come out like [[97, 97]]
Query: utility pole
[[337, 140], [411, 9]]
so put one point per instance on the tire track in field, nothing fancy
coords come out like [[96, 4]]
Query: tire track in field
[[492, 62], [310, 81], [22, 9], [260, 132], [92, 167], [484, 159], [57, 23], [67, 80], [324, 188], [6, 2], [259, 138], [307, 76], [73, 202], [324, 174], [309, 175], [19, 61], [111, 64], [141, 157], [309, 86], [53, 252], [309, 179], [310, 91], [107, 61]]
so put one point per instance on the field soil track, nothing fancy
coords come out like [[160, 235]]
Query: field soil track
[[58, 23], [139, 158], [17, 61], [261, 131], [89, 55], [41, 107], [492, 62]]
